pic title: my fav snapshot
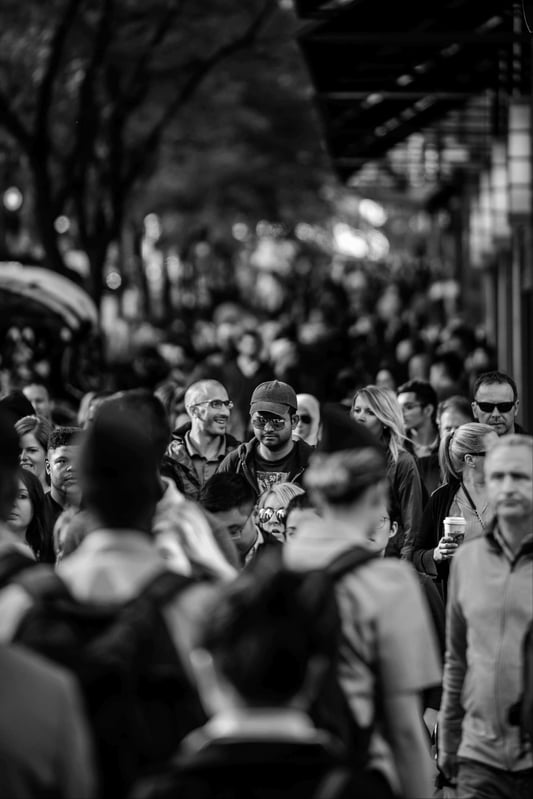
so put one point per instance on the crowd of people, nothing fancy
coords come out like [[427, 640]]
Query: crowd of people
[[233, 588]]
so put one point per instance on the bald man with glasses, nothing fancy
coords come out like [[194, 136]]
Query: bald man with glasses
[[198, 448], [496, 402]]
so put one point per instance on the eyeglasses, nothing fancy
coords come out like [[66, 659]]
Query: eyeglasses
[[481, 454], [304, 418], [216, 404], [488, 407], [410, 406], [260, 422], [382, 522], [266, 514]]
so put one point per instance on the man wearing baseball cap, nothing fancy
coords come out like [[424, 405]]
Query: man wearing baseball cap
[[271, 456]]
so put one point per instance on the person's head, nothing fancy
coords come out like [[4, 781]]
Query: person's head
[[273, 414], [379, 410], [464, 448], [385, 378], [231, 498], [16, 405], [142, 405], [33, 433], [268, 639], [271, 508], [300, 511], [308, 427], [418, 402], [452, 412], [71, 527], [118, 465], [209, 407], [9, 463], [25, 519], [250, 343], [349, 482], [509, 479], [446, 374], [496, 401], [39, 396], [61, 464], [387, 525]]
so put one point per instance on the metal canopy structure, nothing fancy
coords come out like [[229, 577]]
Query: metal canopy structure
[[384, 69]]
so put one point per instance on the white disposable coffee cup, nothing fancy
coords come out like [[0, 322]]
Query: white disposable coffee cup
[[454, 527]]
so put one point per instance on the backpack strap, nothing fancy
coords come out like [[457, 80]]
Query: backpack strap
[[349, 560]]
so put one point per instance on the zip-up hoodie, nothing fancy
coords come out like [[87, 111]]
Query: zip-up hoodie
[[242, 461], [490, 605]]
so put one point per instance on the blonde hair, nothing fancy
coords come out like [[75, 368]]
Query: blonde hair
[[282, 491], [465, 440], [386, 408]]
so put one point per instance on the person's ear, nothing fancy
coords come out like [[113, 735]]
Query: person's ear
[[47, 466], [469, 460], [428, 410], [516, 405], [393, 529], [294, 420], [475, 413]]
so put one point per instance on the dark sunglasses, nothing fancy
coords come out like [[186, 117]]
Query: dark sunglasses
[[488, 407], [305, 418], [265, 515], [260, 422]]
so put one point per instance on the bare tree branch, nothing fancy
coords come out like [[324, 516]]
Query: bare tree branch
[[198, 71]]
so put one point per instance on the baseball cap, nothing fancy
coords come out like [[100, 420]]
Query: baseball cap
[[274, 396]]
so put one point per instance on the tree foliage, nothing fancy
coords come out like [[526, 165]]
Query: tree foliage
[[116, 107]]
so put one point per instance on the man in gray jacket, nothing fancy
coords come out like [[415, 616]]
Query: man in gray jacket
[[490, 605]]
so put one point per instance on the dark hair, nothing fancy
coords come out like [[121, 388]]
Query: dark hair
[[118, 470], [224, 491], [343, 477], [495, 377], [150, 412], [266, 626], [64, 437], [40, 427], [456, 402], [424, 392], [35, 532], [452, 363]]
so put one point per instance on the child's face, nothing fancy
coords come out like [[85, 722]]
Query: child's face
[[271, 517]]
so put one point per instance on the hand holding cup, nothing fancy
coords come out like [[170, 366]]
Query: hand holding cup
[[454, 533]]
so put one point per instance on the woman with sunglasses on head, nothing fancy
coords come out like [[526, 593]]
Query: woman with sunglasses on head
[[271, 511], [308, 427], [379, 411], [463, 493]]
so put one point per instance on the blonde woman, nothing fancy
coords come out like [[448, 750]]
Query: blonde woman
[[271, 510], [308, 427], [379, 411]]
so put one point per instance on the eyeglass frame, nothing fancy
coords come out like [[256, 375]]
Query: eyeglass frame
[[409, 406], [277, 512], [493, 405], [382, 520], [229, 404], [277, 423]]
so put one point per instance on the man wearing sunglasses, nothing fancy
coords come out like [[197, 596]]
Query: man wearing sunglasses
[[271, 456], [496, 402], [198, 448]]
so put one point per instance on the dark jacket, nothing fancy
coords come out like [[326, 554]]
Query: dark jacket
[[183, 463], [242, 461], [431, 531]]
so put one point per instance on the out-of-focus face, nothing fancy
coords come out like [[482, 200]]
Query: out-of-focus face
[[451, 419], [32, 455], [271, 430], [383, 529], [494, 404], [412, 409], [39, 398], [363, 414], [240, 525], [297, 518], [21, 513], [305, 420], [509, 481], [61, 467], [272, 516], [385, 379]]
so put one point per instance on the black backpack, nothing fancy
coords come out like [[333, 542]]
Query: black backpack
[[330, 710], [139, 700], [521, 713]]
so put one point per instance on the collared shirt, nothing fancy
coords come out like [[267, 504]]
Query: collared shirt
[[205, 467], [508, 551]]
